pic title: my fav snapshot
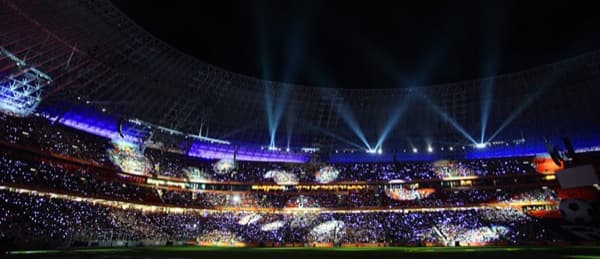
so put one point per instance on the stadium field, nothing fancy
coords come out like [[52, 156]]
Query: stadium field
[[567, 252]]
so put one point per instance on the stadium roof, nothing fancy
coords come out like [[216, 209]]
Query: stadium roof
[[368, 44], [98, 56]]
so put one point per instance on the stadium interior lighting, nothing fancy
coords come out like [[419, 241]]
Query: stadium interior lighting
[[342, 110], [269, 98], [176, 132], [529, 99], [351, 121], [487, 88], [294, 54], [480, 145], [393, 120], [375, 151], [429, 149], [415, 150], [21, 91], [309, 149], [92, 126], [451, 148], [335, 136], [211, 151], [289, 131], [270, 115], [236, 198], [447, 117], [486, 104], [275, 104]]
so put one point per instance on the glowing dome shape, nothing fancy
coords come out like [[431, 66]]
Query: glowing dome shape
[[224, 166], [272, 226], [449, 169], [128, 157], [282, 177], [330, 231], [249, 219], [21, 92], [302, 220], [402, 194], [327, 174]]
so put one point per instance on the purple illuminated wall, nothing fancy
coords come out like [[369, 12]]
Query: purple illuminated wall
[[104, 125], [216, 151]]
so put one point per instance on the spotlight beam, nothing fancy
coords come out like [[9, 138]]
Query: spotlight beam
[[549, 80], [516, 112], [486, 104], [290, 122], [397, 114], [277, 111], [335, 136], [447, 118], [294, 50], [342, 110], [388, 65], [266, 74], [494, 21], [349, 118], [270, 117]]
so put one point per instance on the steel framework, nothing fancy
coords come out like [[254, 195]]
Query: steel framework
[[97, 56]]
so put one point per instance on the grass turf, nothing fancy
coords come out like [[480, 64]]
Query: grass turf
[[565, 252]]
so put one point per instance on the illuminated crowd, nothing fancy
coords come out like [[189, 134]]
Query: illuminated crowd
[[41, 134], [90, 181], [42, 222], [41, 156]]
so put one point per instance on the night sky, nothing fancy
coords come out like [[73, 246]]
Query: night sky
[[372, 44]]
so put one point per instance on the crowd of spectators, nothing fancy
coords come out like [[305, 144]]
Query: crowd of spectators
[[46, 136], [43, 222], [45, 156], [57, 176], [55, 138]]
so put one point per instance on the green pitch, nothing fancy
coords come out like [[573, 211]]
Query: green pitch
[[565, 252]]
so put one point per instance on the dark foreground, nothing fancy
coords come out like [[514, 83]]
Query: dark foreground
[[564, 252]]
